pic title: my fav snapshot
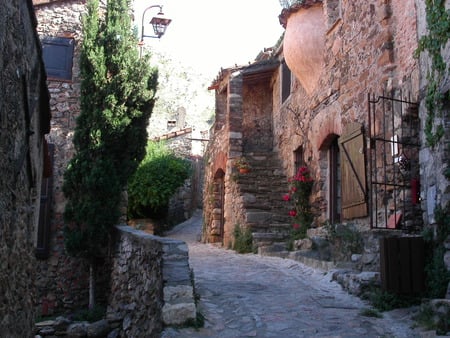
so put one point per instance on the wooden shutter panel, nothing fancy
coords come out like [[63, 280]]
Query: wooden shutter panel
[[353, 172], [44, 227], [285, 82], [58, 57]]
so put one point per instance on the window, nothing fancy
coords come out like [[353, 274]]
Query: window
[[43, 231], [285, 81], [298, 158], [58, 57]]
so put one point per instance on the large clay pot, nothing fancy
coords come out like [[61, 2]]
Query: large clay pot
[[304, 42]]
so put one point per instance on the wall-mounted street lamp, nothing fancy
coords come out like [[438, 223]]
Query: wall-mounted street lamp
[[159, 23]]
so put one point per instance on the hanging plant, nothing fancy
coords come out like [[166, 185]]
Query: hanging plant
[[242, 165]]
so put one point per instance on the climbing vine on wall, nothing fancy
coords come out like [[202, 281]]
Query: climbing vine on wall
[[438, 23]]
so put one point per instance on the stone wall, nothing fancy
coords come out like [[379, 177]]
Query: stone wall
[[435, 187], [62, 280], [225, 144], [367, 50], [24, 119], [361, 48], [151, 284]]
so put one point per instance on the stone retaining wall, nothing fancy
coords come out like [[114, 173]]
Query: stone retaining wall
[[151, 283]]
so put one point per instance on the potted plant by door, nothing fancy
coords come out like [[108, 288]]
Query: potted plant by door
[[242, 165]]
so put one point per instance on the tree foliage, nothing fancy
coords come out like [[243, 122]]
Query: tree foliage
[[117, 97], [155, 181]]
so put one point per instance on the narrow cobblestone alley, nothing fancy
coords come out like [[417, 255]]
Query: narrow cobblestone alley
[[257, 296]]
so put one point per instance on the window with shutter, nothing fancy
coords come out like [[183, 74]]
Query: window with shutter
[[298, 158], [334, 182], [285, 81], [58, 57], [353, 172], [43, 232]]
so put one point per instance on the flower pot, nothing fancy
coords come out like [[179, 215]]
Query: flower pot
[[304, 43]]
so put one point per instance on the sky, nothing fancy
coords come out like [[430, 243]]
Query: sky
[[212, 34]]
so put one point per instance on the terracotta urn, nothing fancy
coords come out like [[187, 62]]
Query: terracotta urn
[[304, 41]]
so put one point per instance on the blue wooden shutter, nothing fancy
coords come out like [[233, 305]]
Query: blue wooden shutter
[[58, 57]]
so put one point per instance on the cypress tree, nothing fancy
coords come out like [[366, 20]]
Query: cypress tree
[[117, 97]]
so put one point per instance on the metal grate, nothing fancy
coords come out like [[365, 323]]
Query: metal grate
[[394, 163]]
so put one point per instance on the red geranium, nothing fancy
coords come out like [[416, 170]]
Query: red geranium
[[300, 189]]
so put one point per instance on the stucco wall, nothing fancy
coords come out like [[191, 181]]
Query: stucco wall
[[24, 119]]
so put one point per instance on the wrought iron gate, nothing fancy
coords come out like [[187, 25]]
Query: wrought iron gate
[[394, 163]]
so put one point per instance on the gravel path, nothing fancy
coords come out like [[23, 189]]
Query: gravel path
[[259, 296]]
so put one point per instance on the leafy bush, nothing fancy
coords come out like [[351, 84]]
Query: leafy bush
[[157, 178], [386, 301], [437, 274], [243, 241], [90, 315]]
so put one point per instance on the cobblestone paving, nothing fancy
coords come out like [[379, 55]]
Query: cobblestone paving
[[257, 296]]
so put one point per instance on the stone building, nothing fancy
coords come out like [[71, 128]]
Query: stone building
[[340, 94], [62, 281], [434, 160], [24, 120]]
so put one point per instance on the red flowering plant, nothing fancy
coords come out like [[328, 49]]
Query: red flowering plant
[[300, 188]]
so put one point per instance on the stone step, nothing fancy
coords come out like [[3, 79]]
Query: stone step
[[275, 228], [266, 212]]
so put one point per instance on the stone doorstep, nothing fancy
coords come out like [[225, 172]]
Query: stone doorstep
[[178, 314], [342, 272]]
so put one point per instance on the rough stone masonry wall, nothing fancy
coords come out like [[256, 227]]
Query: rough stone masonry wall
[[225, 145], [365, 52], [435, 187], [24, 119], [216, 157], [62, 281], [151, 284], [368, 49]]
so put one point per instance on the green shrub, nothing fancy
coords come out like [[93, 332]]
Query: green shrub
[[437, 275], [435, 318], [90, 315], [243, 240], [299, 232], [371, 313], [157, 178], [386, 301]]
